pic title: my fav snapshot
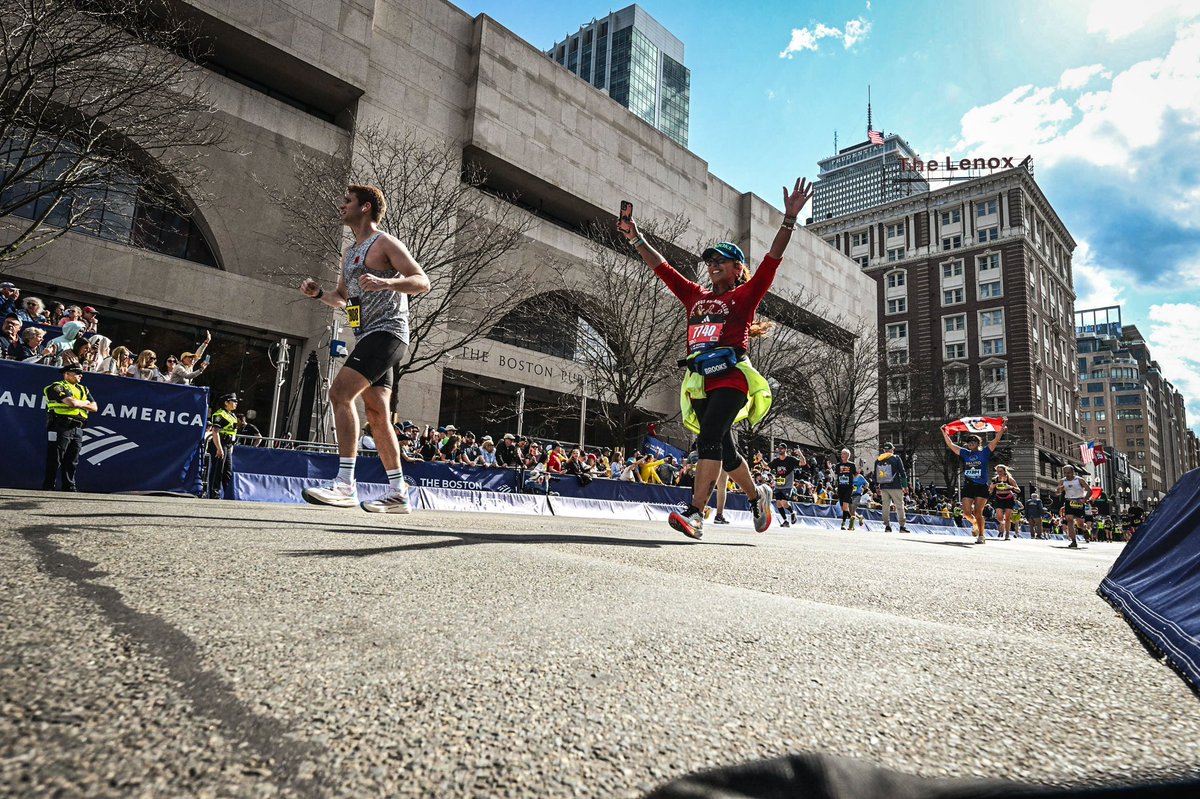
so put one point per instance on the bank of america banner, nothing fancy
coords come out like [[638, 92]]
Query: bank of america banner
[[145, 437]]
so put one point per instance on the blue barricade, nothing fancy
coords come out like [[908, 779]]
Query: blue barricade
[[146, 436]]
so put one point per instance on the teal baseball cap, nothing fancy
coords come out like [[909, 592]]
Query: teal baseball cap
[[724, 249]]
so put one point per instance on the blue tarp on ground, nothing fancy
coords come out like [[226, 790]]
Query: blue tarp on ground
[[145, 437], [1155, 583]]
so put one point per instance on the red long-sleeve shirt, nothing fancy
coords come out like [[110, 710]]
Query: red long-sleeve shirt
[[721, 320]]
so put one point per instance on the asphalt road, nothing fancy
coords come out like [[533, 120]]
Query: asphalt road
[[171, 647]]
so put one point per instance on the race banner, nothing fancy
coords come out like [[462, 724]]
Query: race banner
[[974, 424], [145, 437], [662, 449]]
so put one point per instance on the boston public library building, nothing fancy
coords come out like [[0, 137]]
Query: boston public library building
[[299, 85]]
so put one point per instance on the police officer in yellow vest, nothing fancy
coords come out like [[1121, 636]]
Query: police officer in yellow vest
[[68, 403], [224, 427]]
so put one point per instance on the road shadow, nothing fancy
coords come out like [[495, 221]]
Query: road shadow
[[458, 539], [964, 544]]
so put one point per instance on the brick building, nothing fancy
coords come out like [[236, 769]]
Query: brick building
[[975, 312]]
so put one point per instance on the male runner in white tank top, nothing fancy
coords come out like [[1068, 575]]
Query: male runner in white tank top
[[1075, 492], [377, 275]]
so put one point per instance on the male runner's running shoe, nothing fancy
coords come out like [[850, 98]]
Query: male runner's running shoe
[[391, 502], [719, 519], [336, 492], [690, 525], [761, 507]]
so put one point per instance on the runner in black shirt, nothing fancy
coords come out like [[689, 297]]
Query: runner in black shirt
[[783, 472], [843, 478]]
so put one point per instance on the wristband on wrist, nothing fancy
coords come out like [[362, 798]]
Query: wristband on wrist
[[788, 224], [320, 294], [638, 242]]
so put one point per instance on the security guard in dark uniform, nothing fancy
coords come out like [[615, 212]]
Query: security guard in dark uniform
[[68, 403], [225, 428]]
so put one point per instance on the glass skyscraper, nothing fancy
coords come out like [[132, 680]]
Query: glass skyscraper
[[638, 62]]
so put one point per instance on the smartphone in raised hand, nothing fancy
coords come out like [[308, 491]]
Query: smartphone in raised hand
[[626, 211]]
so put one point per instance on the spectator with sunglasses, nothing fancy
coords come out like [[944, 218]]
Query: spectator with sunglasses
[[146, 368], [181, 372]]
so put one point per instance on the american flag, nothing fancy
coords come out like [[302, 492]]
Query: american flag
[[874, 136]]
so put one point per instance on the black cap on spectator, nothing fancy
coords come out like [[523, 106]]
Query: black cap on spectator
[[230, 397], [407, 423], [468, 434], [888, 445], [71, 367]]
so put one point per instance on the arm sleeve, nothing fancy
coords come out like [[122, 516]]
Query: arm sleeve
[[56, 393], [763, 277], [684, 289]]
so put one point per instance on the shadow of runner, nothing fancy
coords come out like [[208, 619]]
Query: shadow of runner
[[466, 539], [965, 544]]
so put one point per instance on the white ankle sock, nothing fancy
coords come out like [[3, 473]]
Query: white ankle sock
[[395, 478], [346, 469]]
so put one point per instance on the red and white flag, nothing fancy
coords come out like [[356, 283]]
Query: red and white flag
[[874, 136], [1098, 454], [1085, 452], [974, 424]]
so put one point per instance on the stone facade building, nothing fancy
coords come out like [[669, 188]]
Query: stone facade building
[[975, 311], [293, 77], [1127, 404]]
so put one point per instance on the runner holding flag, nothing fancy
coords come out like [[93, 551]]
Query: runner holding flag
[[975, 461]]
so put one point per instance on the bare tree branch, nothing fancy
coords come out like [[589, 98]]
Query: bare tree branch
[[466, 240], [97, 96]]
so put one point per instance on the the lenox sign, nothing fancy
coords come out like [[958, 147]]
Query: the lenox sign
[[948, 164]]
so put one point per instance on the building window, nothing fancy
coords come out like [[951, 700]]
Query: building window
[[898, 332], [863, 261], [858, 239], [991, 346], [1093, 388], [1101, 415], [896, 254], [1086, 402], [1097, 402], [995, 374], [992, 318], [897, 305], [990, 290], [895, 230], [988, 234], [995, 404], [951, 217], [955, 323], [1085, 416], [897, 358], [956, 351], [953, 297], [955, 378], [897, 279], [952, 269], [987, 209], [951, 242]]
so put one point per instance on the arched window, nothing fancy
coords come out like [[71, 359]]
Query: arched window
[[555, 324], [121, 209]]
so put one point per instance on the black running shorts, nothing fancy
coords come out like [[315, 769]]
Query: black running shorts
[[1004, 504], [845, 494], [971, 490], [375, 355]]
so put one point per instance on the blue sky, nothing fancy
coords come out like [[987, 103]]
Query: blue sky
[[1105, 94]]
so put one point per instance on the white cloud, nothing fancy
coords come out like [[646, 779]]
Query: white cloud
[[1117, 19], [1096, 286], [1174, 331], [1121, 126], [854, 31], [1079, 77]]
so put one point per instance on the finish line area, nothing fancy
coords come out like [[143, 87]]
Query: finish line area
[[235, 648]]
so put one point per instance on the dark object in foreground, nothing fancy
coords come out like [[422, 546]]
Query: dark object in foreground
[[1155, 583], [810, 776]]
